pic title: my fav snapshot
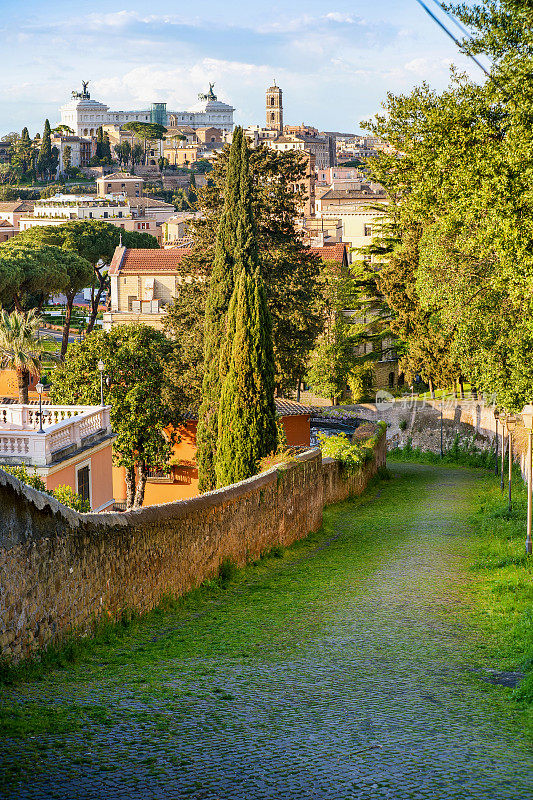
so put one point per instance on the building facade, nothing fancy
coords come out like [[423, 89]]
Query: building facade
[[84, 116], [74, 447]]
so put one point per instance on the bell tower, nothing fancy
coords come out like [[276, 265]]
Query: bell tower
[[274, 108]]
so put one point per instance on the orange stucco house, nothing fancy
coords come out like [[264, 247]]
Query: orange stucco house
[[182, 480], [72, 447]]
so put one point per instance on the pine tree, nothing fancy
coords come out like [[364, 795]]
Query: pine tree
[[44, 162], [220, 291], [247, 428]]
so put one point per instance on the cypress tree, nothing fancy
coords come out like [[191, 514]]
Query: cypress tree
[[247, 428], [44, 163], [220, 291], [99, 143]]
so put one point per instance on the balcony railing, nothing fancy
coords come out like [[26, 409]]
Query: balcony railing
[[64, 428]]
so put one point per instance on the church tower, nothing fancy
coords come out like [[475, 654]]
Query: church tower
[[274, 108]]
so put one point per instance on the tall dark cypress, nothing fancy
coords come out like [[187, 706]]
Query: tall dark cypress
[[44, 162], [247, 428], [220, 291]]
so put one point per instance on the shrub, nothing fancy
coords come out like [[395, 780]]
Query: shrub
[[402, 424], [68, 497], [63, 494], [24, 476]]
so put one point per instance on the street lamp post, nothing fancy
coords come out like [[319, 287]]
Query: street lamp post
[[510, 423], [527, 418], [441, 446], [101, 368], [496, 418], [39, 389]]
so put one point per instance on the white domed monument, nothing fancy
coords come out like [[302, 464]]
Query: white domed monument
[[84, 116]]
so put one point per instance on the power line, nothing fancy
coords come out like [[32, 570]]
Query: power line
[[450, 34]]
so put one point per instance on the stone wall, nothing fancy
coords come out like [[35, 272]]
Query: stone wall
[[60, 570]]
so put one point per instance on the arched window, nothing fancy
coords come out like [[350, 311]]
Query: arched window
[[271, 101], [272, 117]]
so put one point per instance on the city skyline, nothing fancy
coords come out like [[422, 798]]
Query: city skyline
[[335, 64]]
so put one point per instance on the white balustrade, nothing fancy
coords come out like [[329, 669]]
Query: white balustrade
[[63, 427]]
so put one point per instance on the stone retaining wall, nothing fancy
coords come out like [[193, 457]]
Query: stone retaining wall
[[60, 570]]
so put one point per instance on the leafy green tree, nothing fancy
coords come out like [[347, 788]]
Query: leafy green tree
[[291, 273], [462, 182], [184, 369], [247, 429], [29, 275], [123, 152], [94, 241], [21, 347], [137, 155], [147, 131], [63, 494], [134, 358]]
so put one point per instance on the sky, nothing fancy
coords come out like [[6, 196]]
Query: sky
[[335, 61]]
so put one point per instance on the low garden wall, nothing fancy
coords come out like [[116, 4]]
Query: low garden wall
[[60, 570]]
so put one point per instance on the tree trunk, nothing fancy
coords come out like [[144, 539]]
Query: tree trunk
[[431, 389], [298, 389], [23, 380], [461, 387], [130, 487], [66, 326], [141, 484], [95, 299]]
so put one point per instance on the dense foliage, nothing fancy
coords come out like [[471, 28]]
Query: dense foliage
[[247, 429], [63, 494], [458, 274], [291, 273], [134, 358]]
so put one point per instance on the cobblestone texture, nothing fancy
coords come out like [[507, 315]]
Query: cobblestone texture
[[348, 669]]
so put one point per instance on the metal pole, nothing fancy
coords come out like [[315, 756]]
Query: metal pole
[[529, 491], [101, 388], [503, 458], [496, 467], [441, 448], [40, 414], [510, 448]]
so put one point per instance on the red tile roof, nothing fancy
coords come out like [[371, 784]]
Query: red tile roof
[[331, 252], [135, 260]]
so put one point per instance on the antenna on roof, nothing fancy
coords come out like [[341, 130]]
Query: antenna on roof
[[120, 242]]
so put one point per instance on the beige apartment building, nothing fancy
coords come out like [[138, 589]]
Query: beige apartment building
[[143, 283], [120, 183]]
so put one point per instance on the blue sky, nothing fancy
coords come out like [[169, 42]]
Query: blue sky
[[334, 60]]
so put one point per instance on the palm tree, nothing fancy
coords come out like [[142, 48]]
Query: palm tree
[[21, 346]]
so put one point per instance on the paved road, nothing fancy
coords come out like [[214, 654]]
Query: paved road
[[347, 669]]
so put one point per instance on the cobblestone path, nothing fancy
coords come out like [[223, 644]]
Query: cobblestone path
[[349, 668]]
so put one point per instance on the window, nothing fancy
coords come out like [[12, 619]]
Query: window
[[83, 482], [367, 230], [131, 300]]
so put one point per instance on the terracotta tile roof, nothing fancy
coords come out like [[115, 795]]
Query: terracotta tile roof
[[331, 252], [284, 408], [5, 224], [135, 260], [150, 202], [120, 176], [364, 193], [290, 408]]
